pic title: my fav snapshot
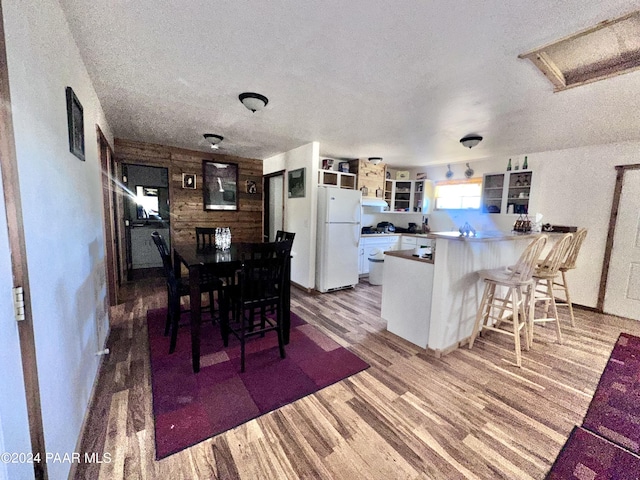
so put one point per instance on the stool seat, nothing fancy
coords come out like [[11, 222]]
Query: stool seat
[[504, 277]]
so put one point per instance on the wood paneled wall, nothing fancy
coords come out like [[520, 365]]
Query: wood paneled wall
[[186, 205]]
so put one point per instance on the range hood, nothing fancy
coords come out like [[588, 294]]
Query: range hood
[[374, 202]]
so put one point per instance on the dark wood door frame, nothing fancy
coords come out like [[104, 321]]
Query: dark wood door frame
[[15, 228], [110, 238], [615, 207], [265, 202]]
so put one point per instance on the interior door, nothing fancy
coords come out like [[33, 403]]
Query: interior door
[[623, 284]]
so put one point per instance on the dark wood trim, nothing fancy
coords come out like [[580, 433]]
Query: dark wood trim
[[615, 205], [15, 228], [106, 154]]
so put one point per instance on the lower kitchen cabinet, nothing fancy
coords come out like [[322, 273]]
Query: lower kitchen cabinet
[[368, 246]]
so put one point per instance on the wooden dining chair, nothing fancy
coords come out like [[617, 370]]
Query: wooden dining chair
[[545, 274], [281, 236], [518, 284], [205, 237], [178, 288], [259, 303], [560, 282]]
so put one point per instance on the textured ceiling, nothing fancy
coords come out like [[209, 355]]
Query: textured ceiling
[[404, 80]]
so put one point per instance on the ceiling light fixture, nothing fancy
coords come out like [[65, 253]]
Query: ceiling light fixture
[[471, 141], [375, 160], [213, 139], [253, 101]]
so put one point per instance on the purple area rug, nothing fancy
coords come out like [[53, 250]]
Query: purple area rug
[[614, 412], [587, 456], [189, 408]]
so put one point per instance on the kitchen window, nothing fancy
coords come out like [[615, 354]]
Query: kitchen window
[[458, 194]]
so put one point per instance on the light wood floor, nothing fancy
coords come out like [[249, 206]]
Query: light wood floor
[[469, 414]]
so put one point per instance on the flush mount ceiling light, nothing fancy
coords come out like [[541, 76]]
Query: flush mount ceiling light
[[471, 141], [213, 139], [253, 101], [375, 160]]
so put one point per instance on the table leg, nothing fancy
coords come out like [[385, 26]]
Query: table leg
[[196, 315]]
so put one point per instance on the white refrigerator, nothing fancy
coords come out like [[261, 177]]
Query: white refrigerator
[[337, 238]]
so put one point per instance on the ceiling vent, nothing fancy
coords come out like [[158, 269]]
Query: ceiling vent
[[610, 48]]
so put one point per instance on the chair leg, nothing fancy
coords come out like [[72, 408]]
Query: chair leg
[[283, 354], [522, 318], [167, 324], [565, 285], [516, 326], [480, 315], [175, 324], [554, 308], [212, 307], [242, 341], [532, 311]]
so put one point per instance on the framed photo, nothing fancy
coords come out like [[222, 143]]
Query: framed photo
[[220, 185], [189, 180], [251, 186], [296, 183], [75, 124]]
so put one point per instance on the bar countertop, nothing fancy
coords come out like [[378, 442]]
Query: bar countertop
[[490, 236]]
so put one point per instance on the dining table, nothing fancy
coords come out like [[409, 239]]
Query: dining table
[[222, 263]]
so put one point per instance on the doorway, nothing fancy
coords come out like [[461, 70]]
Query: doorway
[[273, 205], [622, 291], [146, 209]]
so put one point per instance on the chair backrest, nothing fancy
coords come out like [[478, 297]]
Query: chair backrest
[[526, 264], [205, 237], [164, 253], [282, 236], [572, 256], [262, 274], [551, 264]]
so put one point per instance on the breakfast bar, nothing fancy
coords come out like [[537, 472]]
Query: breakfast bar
[[433, 302]]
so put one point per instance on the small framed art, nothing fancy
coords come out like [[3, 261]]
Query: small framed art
[[75, 124], [189, 180], [296, 183]]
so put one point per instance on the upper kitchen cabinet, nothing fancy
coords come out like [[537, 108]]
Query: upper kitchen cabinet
[[369, 177], [507, 192], [408, 196], [332, 178]]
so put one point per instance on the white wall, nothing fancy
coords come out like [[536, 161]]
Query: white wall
[[300, 213], [569, 187], [14, 425], [62, 209]]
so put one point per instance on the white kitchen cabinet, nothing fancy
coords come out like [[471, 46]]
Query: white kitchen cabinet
[[408, 243], [409, 196], [332, 178], [144, 253], [368, 246], [507, 192]]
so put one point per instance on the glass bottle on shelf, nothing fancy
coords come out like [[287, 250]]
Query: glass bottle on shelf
[[517, 167], [525, 165], [509, 166]]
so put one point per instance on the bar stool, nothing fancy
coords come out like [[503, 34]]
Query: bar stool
[[560, 283], [519, 283], [544, 275]]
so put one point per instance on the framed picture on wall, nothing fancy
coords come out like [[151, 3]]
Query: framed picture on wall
[[75, 124], [251, 186], [296, 183], [189, 180], [220, 185]]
